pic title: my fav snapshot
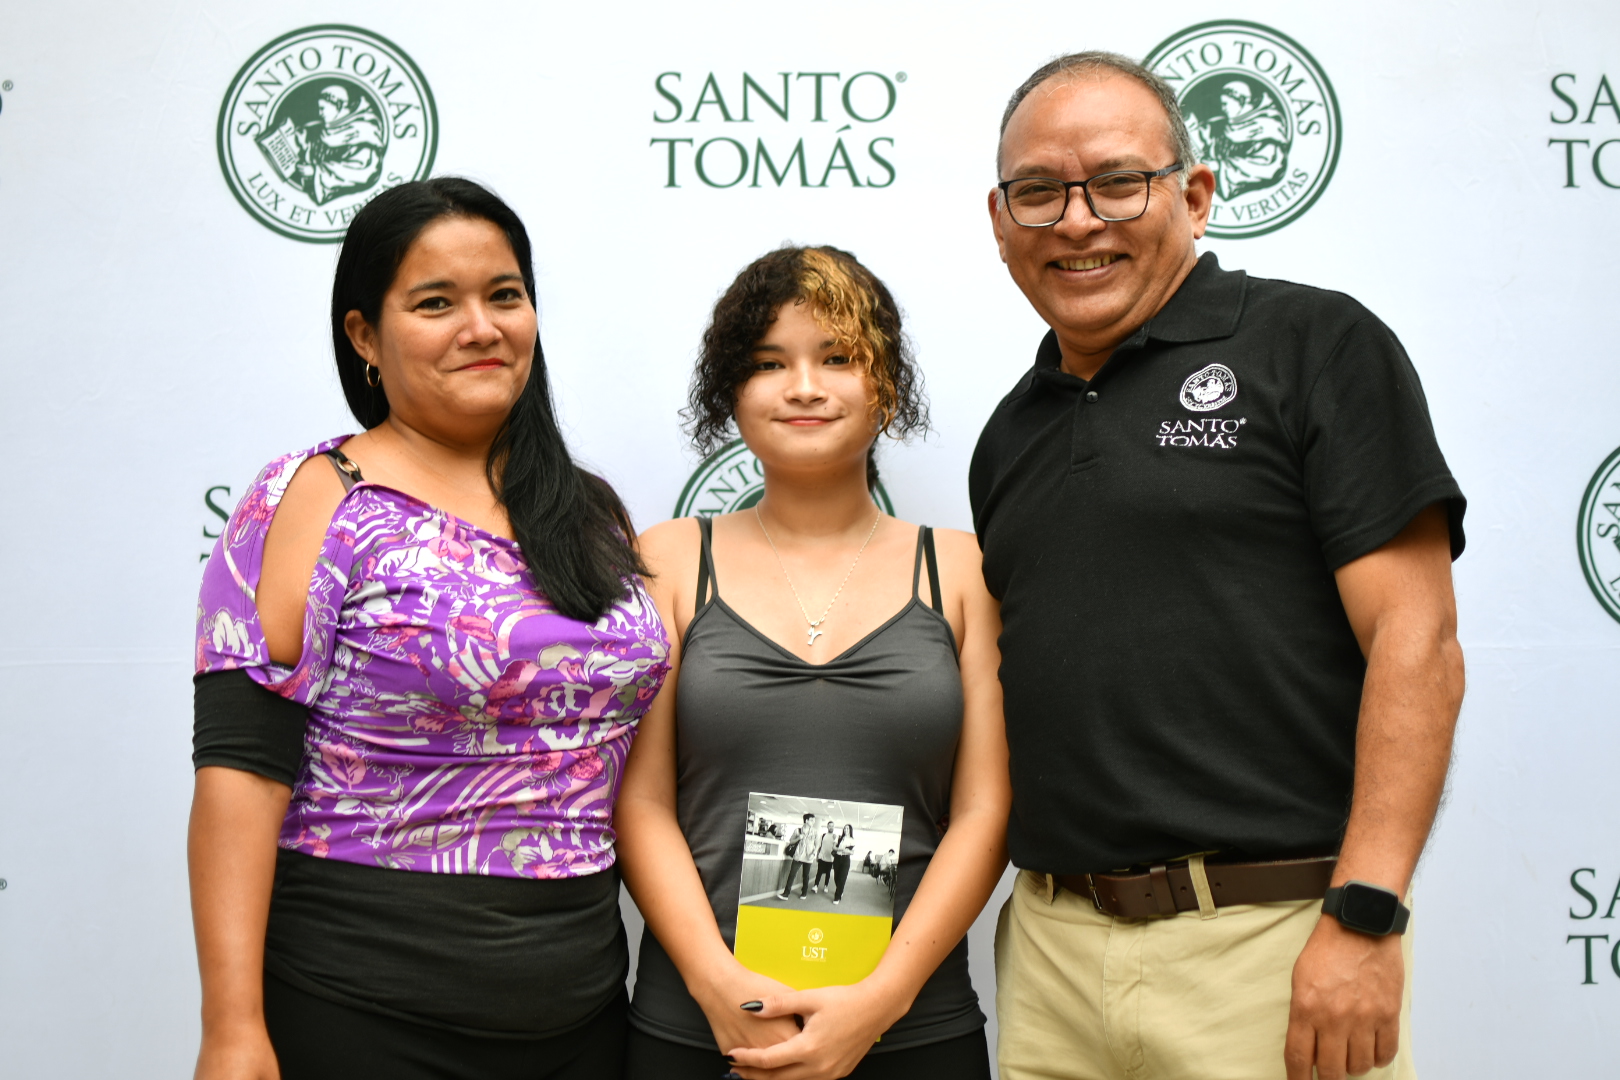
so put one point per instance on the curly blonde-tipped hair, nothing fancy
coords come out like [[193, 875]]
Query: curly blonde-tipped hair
[[849, 312], [847, 300]]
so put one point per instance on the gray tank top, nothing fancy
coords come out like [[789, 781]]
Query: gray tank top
[[879, 723]]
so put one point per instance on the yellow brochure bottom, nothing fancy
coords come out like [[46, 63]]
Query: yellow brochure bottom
[[807, 949]]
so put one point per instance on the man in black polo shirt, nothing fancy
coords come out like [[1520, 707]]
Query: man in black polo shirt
[[1221, 532]]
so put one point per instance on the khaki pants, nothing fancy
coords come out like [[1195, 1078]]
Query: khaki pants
[[1081, 995]]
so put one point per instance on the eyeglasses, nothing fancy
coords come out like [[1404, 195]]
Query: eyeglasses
[[1039, 201]]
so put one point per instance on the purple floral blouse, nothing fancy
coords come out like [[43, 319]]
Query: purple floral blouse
[[458, 723]]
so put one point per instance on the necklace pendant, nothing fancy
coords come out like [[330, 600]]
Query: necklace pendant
[[814, 633]]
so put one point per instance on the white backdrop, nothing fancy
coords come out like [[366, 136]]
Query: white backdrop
[[159, 342]]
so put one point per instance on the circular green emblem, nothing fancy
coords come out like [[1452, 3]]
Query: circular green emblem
[[318, 123], [1597, 534], [732, 479], [1261, 113]]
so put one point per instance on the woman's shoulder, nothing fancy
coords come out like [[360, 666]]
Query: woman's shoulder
[[670, 552], [961, 564], [230, 631], [959, 544], [270, 487], [257, 508], [948, 543], [671, 543], [274, 494]]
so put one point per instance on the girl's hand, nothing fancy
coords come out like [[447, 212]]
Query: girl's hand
[[733, 1025], [841, 1023]]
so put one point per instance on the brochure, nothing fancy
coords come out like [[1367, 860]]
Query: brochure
[[816, 903]]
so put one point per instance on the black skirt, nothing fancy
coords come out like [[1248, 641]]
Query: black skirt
[[316, 1039], [490, 957]]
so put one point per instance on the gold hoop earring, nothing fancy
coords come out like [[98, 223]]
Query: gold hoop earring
[[369, 369]]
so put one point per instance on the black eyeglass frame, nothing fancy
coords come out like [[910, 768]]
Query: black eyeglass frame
[[1083, 185]]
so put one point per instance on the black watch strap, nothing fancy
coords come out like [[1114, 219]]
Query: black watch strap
[[1366, 909]]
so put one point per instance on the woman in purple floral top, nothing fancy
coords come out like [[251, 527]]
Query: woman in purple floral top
[[422, 652]]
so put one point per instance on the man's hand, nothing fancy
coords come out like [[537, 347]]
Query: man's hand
[[1346, 1012]]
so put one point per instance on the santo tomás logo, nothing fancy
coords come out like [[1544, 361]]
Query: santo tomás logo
[[1262, 115], [321, 121], [1598, 534], [797, 129], [732, 479], [1209, 388]]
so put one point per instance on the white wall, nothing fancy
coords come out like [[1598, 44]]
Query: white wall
[[158, 341]]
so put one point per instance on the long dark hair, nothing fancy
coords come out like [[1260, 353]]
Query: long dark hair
[[571, 526]]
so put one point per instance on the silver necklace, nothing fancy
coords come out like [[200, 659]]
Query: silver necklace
[[815, 624]]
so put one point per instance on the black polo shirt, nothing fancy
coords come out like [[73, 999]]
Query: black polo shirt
[[1179, 672]]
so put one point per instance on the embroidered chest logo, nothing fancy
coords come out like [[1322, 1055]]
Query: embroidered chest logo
[[1210, 431], [1209, 388]]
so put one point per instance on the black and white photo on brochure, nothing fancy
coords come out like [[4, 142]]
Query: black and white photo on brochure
[[810, 854]]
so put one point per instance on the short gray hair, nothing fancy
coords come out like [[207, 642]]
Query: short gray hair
[[1092, 62]]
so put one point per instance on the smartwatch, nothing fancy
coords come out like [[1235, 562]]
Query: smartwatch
[[1366, 909]]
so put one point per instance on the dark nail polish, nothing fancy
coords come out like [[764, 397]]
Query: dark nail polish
[[730, 1076], [752, 1006]]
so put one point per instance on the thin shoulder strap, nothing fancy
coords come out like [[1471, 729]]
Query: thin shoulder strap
[[925, 551], [706, 573], [347, 470], [933, 569], [917, 561]]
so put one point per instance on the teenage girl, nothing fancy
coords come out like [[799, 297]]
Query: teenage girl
[[813, 620]]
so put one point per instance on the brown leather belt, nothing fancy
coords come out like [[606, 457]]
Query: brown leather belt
[[1168, 888]]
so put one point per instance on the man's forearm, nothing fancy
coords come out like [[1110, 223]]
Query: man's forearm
[[1409, 707], [1403, 611], [1347, 986]]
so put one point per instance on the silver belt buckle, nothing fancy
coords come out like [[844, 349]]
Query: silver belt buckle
[[1095, 902]]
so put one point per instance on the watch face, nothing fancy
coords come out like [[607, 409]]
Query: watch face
[[1367, 908]]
